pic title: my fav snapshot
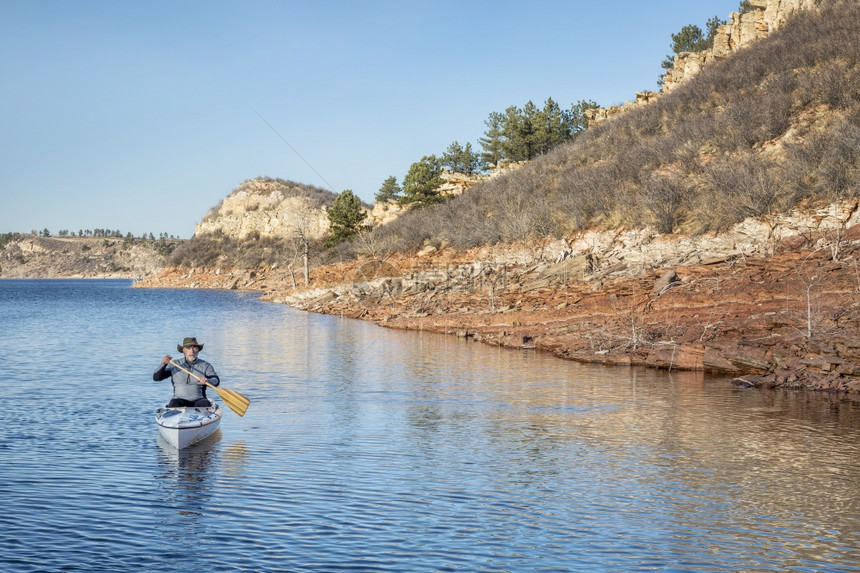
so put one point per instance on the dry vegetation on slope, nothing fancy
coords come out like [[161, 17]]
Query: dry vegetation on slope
[[773, 127], [753, 135]]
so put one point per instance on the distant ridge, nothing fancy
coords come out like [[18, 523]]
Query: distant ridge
[[33, 256]]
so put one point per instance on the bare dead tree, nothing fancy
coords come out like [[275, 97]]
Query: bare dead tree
[[304, 227]]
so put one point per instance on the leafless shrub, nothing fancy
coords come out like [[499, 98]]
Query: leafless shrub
[[826, 165], [837, 83], [374, 245], [409, 231], [522, 213], [217, 249], [588, 195], [631, 311], [810, 278], [665, 199], [736, 189], [839, 168]]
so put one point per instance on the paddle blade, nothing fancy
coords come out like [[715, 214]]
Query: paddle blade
[[234, 400]]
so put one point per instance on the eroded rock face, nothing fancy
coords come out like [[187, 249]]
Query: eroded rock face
[[33, 256], [777, 11], [266, 208], [459, 183], [383, 213], [763, 18], [742, 29], [770, 303]]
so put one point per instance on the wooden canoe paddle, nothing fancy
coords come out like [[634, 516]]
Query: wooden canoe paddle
[[233, 399]]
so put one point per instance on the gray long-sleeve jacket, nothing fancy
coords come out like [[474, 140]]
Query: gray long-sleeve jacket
[[184, 386]]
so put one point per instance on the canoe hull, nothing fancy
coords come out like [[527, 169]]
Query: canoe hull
[[182, 427]]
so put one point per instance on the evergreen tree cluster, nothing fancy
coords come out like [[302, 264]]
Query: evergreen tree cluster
[[521, 134], [518, 134], [346, 217], [8, 238]]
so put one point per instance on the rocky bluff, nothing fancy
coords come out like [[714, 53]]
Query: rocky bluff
[[33, 256], [762, 18], [267, 207], [771, 303], [773, 300]]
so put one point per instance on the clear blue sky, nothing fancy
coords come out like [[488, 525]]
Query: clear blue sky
[[140, 116]]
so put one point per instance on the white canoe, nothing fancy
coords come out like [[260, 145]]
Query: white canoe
[[182, 427]]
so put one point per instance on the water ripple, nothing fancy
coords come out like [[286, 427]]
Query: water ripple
[[363, 450]]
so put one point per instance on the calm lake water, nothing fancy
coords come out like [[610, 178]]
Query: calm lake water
[[366, 449]]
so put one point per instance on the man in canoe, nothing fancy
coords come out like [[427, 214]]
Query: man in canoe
[[187, 376]]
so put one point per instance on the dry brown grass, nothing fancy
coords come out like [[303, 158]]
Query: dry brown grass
[[744, 138]]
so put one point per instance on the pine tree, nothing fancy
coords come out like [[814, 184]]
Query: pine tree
[[492, 142], [578, 121], [551, 127], [390, 191], [421, 183], [346, 217], [519, 131], [692, 39], [521, 134], [461, 159]]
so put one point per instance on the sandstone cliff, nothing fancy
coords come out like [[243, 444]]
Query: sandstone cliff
[[266, 207], [770, 303], [763, 18], [742, 29]]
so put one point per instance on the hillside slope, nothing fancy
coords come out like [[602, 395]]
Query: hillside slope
[[31, 256], [769, 305], [774, 126], [714, 228]]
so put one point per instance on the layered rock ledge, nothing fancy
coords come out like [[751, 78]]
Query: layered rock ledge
[[772, 304]]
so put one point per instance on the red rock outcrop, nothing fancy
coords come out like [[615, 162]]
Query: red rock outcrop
[[786, 320]]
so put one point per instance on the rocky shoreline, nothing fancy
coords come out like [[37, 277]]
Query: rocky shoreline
[[782, 314]]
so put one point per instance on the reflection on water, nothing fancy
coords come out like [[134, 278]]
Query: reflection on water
[[370, 449], [233, 459], [184, 474], [188, 464], [184, 481], [677, 451]]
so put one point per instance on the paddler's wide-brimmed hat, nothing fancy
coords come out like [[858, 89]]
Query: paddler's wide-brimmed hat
[[189, 341]]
